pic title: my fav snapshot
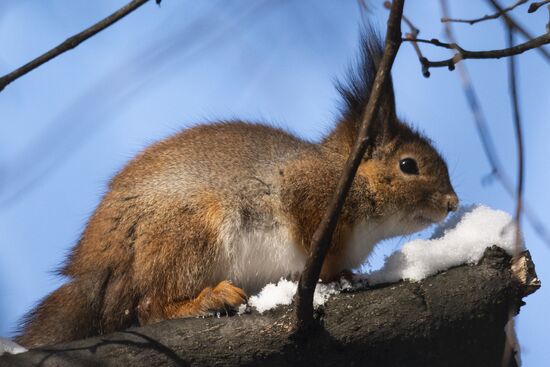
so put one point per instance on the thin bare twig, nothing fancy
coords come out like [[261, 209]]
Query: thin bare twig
[[322, 237], [533, 7], [511, 344], [71, 42], [362, 6], [519, 137], [186, 44], [463, 54], [485, 17], [515, 25], [511, 337], [412, 36], [487, 142], [414, 30], [438, 43]]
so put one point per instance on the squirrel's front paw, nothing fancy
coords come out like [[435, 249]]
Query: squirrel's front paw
[[224, 298]]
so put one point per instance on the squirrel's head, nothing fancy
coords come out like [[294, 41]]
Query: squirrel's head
[[407, 178]]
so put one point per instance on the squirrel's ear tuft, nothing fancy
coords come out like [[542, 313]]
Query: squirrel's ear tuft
[[356, 88]]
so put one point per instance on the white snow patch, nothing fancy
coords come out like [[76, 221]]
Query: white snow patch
[[7, 346], [462, 239], [273, 295]]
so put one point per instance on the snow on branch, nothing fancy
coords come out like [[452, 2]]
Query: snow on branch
[[424, 323], [7, 346], [462, 239]]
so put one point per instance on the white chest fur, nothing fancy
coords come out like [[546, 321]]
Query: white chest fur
[[365, 235], [260, 256]]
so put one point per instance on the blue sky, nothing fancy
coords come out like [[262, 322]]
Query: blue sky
[[67, 127]]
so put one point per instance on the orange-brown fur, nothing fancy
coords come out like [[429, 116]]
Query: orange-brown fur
[[164, 241]]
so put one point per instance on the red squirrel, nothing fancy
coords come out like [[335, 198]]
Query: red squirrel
[[197, 221]]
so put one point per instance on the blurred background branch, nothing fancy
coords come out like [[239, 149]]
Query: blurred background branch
[[513, 23], [71, 42], [46, 153], [475, 106]]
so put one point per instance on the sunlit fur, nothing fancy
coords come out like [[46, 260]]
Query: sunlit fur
[[235, 201]]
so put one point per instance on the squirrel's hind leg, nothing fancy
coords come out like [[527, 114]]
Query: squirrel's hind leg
[[224, 297]]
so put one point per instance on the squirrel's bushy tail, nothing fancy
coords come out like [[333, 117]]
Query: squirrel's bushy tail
[[71, 312]]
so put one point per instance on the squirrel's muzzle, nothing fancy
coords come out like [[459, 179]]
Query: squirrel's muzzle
[[452, 202]]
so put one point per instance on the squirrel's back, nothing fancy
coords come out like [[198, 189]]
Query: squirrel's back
[[218, 156]]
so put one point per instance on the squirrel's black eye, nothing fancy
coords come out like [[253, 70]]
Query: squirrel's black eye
[[408, 166]]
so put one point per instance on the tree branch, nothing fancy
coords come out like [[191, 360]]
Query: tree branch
[[504, 13], [71, 42], [412, 36], [323, 235], [485, 17], [519, 137], [515, 25], [487, 143], [400, 324], [511, 337], [533, 7], [463, 54]]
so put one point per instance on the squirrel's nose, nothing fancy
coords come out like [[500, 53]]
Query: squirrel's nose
[[452, 202]]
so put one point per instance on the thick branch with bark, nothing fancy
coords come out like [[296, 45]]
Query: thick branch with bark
[[455, 318]]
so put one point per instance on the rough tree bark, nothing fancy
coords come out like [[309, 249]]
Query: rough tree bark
[[455, 318]]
